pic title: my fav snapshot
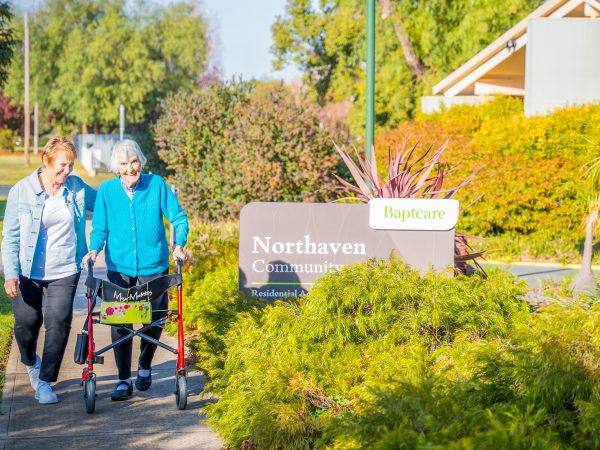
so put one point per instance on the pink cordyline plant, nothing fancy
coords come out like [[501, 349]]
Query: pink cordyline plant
[[410, 176]]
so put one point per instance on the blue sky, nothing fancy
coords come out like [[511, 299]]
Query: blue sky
[[243, 30], [243, 35]]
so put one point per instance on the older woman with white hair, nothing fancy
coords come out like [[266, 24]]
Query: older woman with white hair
[[128, 225]]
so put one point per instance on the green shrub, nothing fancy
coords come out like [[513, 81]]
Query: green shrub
[[8, 138], [210, 284], [376, 356], [230, 144], [210, 311], [211, 246], [531, 184], [295, 374], [538, 389]]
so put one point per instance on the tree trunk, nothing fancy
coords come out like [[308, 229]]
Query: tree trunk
[[415, 64], [584, 282]]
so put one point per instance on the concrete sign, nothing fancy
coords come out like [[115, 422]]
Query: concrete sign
[[285, 247], [413, 214]]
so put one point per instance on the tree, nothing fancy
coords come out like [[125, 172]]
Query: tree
[[88, 56], [108, 65], [229, 144], [584, 281], [178, 37], [417, 44], [11, 116], [7, 40]]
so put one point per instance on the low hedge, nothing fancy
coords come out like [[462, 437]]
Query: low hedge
[[376, 356], [532, 183]]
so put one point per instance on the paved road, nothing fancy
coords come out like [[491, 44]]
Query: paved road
[[149, 420], [535, 274], [4, 188]]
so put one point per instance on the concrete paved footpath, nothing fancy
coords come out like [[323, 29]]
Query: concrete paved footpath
[[148, 420]]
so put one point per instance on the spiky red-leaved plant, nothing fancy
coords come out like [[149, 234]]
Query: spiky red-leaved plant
[[410, 175]]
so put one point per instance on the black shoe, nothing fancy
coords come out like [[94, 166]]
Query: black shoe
[[143, 383], [119, 395]]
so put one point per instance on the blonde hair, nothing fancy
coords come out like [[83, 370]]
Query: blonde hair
[[54, 146]]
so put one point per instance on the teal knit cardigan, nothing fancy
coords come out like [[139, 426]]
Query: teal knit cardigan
[[133, 230]]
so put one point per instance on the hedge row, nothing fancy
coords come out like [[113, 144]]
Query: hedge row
[[377, 356], [531, 186]]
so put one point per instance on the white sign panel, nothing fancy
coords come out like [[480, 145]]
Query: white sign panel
[[413, 214]]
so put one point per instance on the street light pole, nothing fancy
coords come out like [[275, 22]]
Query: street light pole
[[121, 121], [27, 118], [36, 138], [370, 132]]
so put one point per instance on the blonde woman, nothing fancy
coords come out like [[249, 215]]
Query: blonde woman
[[43, 243]]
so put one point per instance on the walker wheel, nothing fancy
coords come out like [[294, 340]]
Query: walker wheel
[[89, 395], [181, 392]]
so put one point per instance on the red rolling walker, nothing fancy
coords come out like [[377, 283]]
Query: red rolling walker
[[85, 349]]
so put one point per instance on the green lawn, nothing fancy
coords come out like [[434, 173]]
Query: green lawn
[[2, 208], [6, 330], [12, 169], [6, 315]]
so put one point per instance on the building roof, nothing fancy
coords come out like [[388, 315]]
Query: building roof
[[500, 67]]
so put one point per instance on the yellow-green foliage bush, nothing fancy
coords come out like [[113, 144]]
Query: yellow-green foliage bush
[[376, 356], [8, 139], [292, 372], [211, 298], [532, 183]]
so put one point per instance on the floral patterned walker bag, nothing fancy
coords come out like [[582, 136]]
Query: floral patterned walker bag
[[126, 306], [126, 312]]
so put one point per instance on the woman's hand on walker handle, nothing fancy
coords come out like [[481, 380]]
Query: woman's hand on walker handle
[[91, 256], [178, 254], [11, 287]]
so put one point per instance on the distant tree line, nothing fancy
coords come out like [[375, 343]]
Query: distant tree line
[[88, 56], [418, 42]]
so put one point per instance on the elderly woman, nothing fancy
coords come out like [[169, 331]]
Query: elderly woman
[[128, 220], [42, 248]]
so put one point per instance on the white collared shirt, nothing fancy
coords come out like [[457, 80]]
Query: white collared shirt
[[56, 247]]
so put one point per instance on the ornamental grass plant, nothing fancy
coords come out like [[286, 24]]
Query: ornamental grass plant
[[377, 356]]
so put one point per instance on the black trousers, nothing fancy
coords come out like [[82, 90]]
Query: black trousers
[[57, 318], [124, 350]]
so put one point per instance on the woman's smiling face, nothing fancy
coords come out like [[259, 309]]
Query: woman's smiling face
[[129, 169], [60, 168]]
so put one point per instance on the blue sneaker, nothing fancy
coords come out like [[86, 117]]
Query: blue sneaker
[[34, 373], [44, 394]]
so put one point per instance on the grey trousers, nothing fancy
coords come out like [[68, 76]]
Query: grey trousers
[[124, 350], [57, 317]]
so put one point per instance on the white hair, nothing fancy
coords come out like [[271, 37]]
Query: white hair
[[127, 148]]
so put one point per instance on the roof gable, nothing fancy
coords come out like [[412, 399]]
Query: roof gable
[[510, 43]]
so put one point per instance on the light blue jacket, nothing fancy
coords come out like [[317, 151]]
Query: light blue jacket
[[133, 229], [23, 216]]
